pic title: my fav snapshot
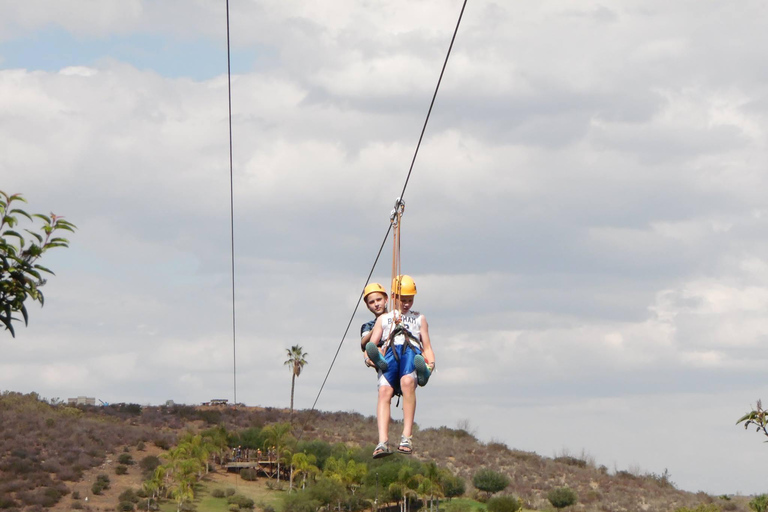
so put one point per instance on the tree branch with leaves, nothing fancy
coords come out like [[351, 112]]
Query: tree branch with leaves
[[757, 418], [21, 277]]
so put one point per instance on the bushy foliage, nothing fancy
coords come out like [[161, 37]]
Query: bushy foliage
[[128, 495], [453, 486], [249, 474], [241, 501], [758, 418], [217, 493], [759, 503], [490, 481], [21, 277], [709, 507], [562, 497], [121, 469], [125, 506], [148, 465], [503, 504], [126, 459]]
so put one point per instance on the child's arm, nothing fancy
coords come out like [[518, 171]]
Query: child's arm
[[429, 355]]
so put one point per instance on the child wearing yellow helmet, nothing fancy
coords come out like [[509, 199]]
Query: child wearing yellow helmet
[[375, 299], [404, 360]]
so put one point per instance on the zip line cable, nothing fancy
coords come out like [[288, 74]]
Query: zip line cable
[[399, 200], [231, 216]]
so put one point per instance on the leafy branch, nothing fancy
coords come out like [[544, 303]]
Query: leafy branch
[[757, 417], [21, 277]]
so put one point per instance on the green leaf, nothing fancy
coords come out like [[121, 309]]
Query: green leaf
[[36, 235], [59, 240], [14, 233], [34, 273], [40, 267], [43, 217], [24, 314], [748, 416], [62, 223], [21, 212]]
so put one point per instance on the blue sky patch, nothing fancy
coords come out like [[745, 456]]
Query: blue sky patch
[[200, 59]]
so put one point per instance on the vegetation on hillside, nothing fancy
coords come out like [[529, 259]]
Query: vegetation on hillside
[[46, 449]]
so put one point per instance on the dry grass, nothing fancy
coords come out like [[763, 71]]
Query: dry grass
[[532, 475]]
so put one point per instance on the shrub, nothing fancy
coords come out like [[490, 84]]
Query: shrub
[[128, 495], [249, 474], [148, 464], [7, 502], [162, 443], [453, 486], [711, 507], [140, 446], [125, 506], [571, 461], [103, 479], [490, 481], [230, 491], [759, 503], [76, 506], [241, 501], [233, 508], [188, 506], [562, 497], [504, 504], [97, 488], [121, 470], [75, 495], [217, 493], [126, 459]]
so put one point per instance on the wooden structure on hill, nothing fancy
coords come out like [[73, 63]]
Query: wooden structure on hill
[[266, 468]]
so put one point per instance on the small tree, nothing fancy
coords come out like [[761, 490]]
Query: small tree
[[562, 497], [757, 417], [453, 486], [490, 481], [759, 503], [20, 276]]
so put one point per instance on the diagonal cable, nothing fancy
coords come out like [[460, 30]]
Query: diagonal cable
[[405, 186]]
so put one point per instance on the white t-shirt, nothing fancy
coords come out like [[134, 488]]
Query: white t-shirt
[[412, 321]]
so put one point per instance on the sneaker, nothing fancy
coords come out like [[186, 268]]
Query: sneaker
[[422, 370], [375, 356]]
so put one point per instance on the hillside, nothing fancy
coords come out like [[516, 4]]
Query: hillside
[[47, 451]]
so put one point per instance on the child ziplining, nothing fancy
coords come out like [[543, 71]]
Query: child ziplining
[[404, 359]]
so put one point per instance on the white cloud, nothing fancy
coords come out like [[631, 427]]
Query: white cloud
[[585, 219]]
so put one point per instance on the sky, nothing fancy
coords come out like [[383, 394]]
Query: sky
[[586, 219]]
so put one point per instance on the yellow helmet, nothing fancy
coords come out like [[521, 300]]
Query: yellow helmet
[[373, 287], [403, 285]]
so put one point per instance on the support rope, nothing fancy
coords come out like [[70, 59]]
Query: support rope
[[402, 194]]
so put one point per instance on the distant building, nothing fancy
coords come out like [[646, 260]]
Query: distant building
[[169, 403], [81, 400], [218, 401]]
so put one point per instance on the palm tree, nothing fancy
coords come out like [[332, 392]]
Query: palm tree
[[295, 362], [277, 435]]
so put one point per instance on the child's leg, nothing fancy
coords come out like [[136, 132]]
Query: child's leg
[[383, 411], [408, 387]]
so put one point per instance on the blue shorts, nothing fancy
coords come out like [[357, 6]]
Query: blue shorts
[[398, 369]]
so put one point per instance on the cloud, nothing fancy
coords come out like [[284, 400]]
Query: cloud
[[585, 218]]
